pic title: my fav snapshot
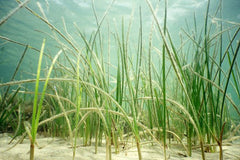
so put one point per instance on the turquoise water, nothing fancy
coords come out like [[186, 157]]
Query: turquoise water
[[24, 27]]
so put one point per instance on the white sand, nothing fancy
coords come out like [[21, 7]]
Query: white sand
[[59, 149]]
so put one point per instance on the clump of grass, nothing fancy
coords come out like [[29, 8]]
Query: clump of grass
[[37, 107], [8, 104]]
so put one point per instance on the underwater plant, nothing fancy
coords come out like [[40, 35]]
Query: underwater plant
[[37, 107], [152, 94]]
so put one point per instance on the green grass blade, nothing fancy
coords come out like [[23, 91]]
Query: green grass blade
[[228, 78]]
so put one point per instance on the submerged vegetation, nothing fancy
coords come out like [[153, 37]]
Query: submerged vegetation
[[182, 97]]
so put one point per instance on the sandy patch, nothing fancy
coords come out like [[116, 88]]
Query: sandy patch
[[59, 149]]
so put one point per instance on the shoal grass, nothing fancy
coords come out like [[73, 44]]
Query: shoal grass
[[81, 101], [164, 82], [37, 106], [7, 103], [12, 12]]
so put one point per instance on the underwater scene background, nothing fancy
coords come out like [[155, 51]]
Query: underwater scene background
[[124, 67], [27, 29]]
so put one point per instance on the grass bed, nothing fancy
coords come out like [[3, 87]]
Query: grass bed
[[87, 96]]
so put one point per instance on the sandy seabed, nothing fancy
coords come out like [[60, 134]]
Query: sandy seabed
[[60, 149]]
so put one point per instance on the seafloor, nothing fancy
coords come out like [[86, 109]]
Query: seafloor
[[60, 149]]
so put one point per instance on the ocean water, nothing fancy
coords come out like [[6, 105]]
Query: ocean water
[[25, 28]]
